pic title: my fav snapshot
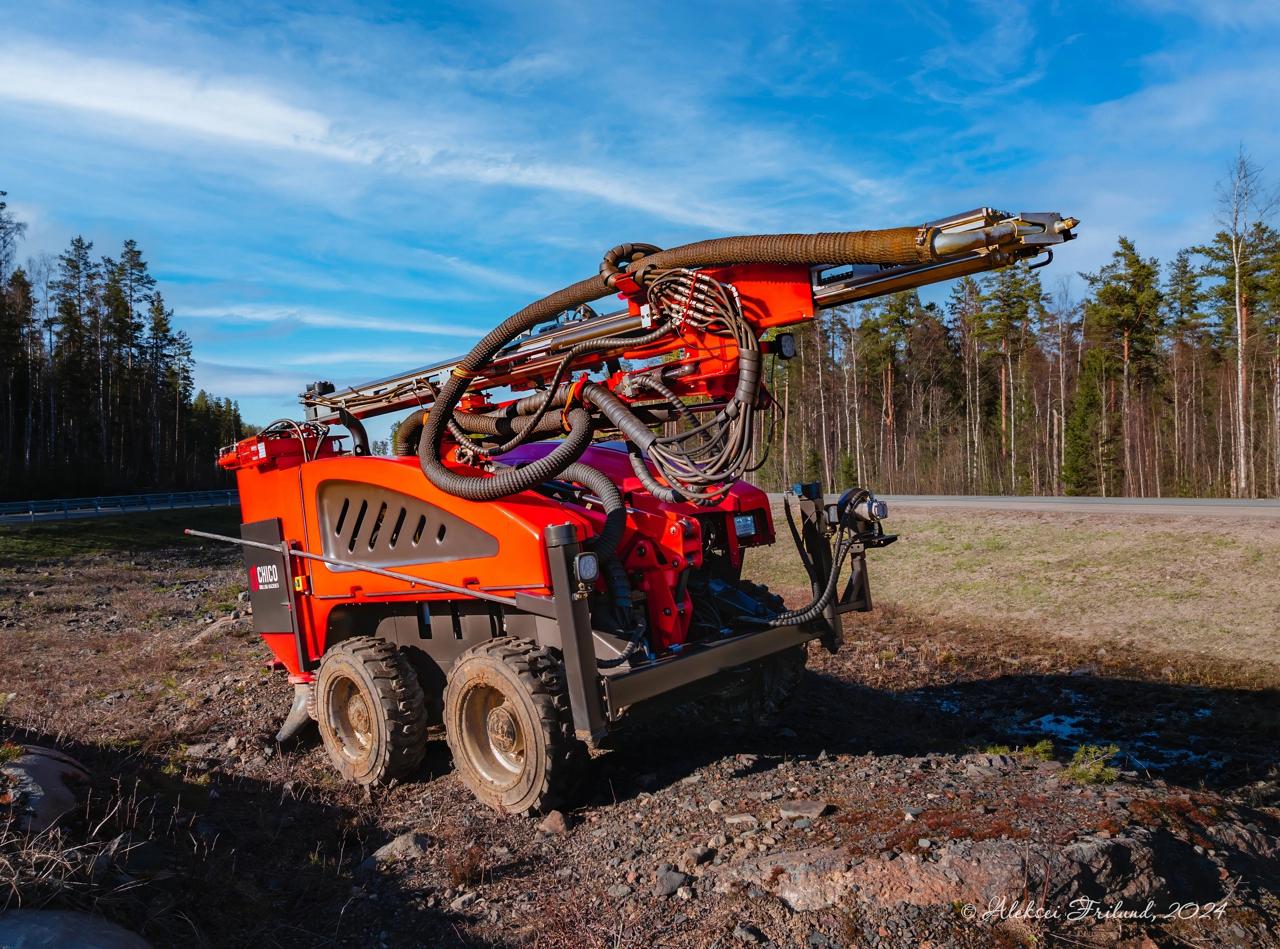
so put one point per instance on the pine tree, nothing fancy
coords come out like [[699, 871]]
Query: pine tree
[[1126, 318]]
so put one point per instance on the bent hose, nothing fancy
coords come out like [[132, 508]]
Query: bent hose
[[509, 480], [359, 435]]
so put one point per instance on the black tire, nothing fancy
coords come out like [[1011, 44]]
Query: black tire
[[508, 725], [371, 712]]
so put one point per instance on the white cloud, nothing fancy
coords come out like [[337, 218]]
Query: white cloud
[[249, 114], [216, 108], [307, 316], [346, 357], [241, 382], [1235, 14]]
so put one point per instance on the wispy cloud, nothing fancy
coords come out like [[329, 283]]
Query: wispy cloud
[[307, 316], [247, 113], [1234, 14], [212, 107]]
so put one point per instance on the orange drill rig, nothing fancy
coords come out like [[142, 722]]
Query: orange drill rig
[[559, 534]]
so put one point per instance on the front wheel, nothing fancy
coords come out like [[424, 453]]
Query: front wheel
[[507, 722]]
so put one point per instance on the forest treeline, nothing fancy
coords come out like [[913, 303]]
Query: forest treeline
[[1163, 381], [96, 394]]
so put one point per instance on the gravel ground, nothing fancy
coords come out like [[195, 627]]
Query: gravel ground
[[908, 781]]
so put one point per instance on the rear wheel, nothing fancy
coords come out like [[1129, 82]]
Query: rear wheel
[[507, 721], [370, 710], [757, 698]]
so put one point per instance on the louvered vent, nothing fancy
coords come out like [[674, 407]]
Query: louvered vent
[[369, 524]]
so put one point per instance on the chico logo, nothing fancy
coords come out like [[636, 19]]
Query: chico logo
[[266, 577]]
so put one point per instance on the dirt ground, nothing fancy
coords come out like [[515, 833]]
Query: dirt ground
[[936, 751]]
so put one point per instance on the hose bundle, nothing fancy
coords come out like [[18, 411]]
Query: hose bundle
[[699, 464]]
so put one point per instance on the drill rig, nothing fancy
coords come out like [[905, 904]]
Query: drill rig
[[558, 537]]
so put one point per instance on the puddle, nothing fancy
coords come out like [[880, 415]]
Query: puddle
[[1064, 727]]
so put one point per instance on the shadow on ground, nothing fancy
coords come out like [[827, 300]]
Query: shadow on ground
[[1192, 736], [213, 859]]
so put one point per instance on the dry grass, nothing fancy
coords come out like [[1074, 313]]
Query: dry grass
[[1171, 585]]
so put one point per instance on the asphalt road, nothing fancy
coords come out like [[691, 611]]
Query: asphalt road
[[1184, 507]]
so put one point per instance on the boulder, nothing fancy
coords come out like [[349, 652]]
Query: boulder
[[64, 929], [41, 784]]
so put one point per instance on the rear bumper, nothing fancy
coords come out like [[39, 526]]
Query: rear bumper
[[667, 675]]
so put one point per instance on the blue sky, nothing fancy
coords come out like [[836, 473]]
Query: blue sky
[[342, 191]]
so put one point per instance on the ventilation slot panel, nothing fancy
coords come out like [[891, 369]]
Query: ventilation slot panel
[[377, 525], [395, 531], [355, 530]]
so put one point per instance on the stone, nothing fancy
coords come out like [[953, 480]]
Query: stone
[[684, 893], [43, 786], [555, 823], [793, 810], [56, 928], [716, 806], [408, 846], [619, 891], [745, 932], [809, 879], [695, 857], [462, 902], [203, 750], [740, 820], [668, 881]]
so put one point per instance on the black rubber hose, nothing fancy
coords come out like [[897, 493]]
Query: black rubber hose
[[661, 492], [893, 246], [510, 480], [359, 435], [581, 349], [813, 610], [615, 512], [409, 431]]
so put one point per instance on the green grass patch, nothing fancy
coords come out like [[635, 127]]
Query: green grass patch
[[32, 543], [1040, 751], [9, 751]]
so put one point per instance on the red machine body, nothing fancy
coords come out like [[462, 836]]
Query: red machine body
[[524, 570]]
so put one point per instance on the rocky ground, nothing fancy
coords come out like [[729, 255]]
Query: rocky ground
[[926, 787]]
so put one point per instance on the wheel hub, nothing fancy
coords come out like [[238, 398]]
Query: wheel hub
[[503, 733]]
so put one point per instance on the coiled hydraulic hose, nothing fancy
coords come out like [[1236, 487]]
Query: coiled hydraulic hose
[[804, 614], [902, 245], [409, 431], [506, 481]]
